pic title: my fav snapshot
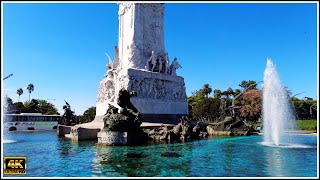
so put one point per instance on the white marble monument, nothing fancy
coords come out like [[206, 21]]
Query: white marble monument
[[141, 64]]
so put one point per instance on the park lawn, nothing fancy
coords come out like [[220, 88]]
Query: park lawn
[[309, 125]]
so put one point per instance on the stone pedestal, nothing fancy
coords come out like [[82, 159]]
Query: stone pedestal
[[62, 130], [161, 98], [82, 132], [112, 137]]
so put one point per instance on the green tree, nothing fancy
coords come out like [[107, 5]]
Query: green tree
[[194, 99], [31, 106], [30, 89], [47, 108], [302, 108], [217, 93], [236, 92], [225, 94], [245, 84], [206, 110], [19, 92], [17, 107], [230, 91], [206, 90], [88, 115]]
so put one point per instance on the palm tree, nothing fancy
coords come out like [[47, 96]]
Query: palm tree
[[206, 90], [217, 93], [30, 89], [19, 92], [230, 91], [236, 92]]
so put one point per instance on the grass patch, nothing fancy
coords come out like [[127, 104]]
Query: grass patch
[[307, 124]]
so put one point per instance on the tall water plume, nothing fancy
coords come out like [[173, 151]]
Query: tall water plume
[[277, 113]]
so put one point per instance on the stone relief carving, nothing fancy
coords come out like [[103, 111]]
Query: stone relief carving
[[106, 91], [157, 89]]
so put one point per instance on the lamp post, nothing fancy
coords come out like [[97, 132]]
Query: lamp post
[[311, 109], [293, 97], [297, 94], [7, 76], [233, 113]]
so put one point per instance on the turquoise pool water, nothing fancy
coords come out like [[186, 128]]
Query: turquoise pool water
[[49, 155]]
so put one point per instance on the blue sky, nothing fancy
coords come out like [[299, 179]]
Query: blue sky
[[59, 47]]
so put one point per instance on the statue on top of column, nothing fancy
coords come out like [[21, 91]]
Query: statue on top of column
[[174, 66]]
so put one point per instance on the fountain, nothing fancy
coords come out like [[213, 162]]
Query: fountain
[[277, 113]]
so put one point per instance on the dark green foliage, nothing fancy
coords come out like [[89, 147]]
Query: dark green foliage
[[33, 106], [89, 114], [248, 84], [217, 93], [17, 107], [45, 107], [236, 92], [301, 109], [206, 110]]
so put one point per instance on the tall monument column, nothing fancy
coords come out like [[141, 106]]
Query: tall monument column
[[140, 32], [141, 64]]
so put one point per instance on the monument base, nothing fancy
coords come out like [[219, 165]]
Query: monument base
[[112, 138], [162, 118], [161, 98], [62, 130], [116, 138], [87, 131]]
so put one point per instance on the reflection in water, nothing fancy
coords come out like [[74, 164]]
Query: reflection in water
[[288, 162], [275, 164], [214, 157], [114, 161]]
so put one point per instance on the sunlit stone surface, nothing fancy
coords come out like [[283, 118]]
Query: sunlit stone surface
[[161, 94]]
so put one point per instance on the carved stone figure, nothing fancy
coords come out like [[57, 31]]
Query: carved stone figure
[[166, 64], [152, 61], [174, 66], [184, 131], [68, 117], [160, 61], [128, 119]]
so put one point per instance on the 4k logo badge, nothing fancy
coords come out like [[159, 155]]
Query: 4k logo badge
[[15, 165]]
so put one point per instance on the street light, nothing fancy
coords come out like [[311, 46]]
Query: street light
[[293, 97], [311, 109], [7, 76], [297, 94]]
